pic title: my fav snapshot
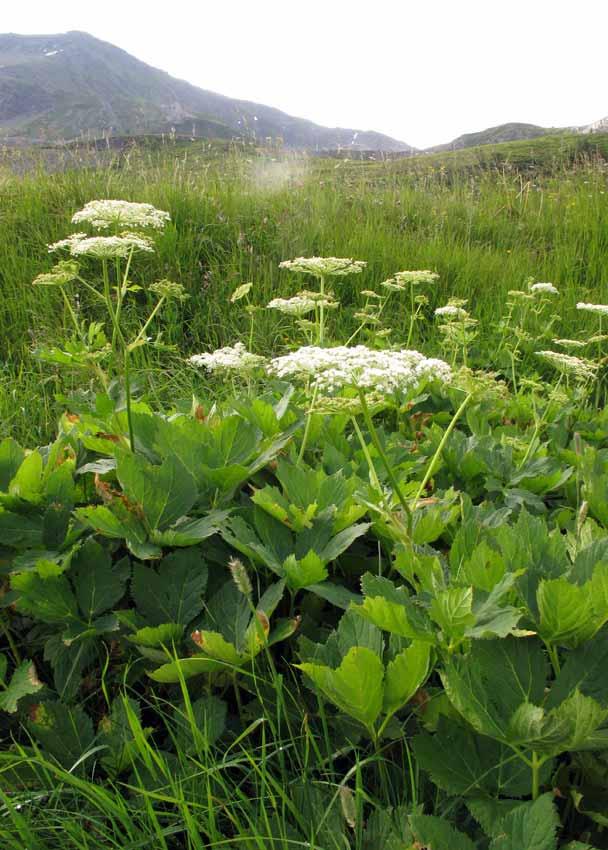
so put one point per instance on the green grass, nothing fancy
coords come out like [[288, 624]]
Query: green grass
[[473, 216]]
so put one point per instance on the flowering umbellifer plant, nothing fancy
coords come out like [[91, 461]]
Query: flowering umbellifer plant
[[322, 268], [89, 347]]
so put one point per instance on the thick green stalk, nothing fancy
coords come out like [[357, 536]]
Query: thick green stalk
[[435, 459], [385, 461], [307, 426]]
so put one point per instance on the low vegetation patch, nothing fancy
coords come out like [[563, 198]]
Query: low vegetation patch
[[343, 594]]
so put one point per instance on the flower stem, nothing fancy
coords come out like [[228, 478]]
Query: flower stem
[[435, 459], [307, 426], [322, 310], [385, 461]]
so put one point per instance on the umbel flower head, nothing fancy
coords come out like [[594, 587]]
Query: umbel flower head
[[64, 272], [299, 305], [401, 280], [324, 266], [334, 369], [546, 288], [169, 290], [566, 363], [600, 309], [234, 358], [103, 247], [451, 311], [105, 214]]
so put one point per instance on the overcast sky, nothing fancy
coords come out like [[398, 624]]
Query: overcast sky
[[423, 72]]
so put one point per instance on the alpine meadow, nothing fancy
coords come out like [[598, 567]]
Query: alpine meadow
[[304, 497]]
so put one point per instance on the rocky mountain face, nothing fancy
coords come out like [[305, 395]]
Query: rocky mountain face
[[73, 85]]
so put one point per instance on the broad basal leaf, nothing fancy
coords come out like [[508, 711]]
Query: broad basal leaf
[[174, 592], [438, 834], [405, 674], [355, 687], [24, 682], [531, 826], [163, 493], [98, 584]]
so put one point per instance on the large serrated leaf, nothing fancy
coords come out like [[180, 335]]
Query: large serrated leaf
[[163, 493], [531, 826], [355, 687], [174, 592], [98, 584], [437, 834], [24, 682], [405, 674]]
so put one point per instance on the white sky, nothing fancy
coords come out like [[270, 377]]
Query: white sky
[[423, 71]]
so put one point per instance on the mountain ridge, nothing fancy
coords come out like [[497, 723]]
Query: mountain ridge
[[68, 85]]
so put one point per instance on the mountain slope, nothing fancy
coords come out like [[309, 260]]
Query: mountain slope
[[68, 85], [511, 132]]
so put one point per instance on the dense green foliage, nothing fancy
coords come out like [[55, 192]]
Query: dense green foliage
[[241, 613]]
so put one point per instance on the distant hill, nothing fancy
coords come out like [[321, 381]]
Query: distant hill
[[512, 132], [72, 85]]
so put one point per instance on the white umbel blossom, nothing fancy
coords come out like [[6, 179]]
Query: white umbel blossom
[[299, 305], [324, 266], [401, 280], [549, 288], [333, 369], [451, 312], [103, 247], [106, 213], [575, 366], [601, 309], [234, 358]]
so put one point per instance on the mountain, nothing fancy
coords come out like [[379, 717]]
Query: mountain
[[72, 85], [493, 135]]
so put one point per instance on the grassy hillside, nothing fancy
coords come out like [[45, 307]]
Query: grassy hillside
[[485, 219]]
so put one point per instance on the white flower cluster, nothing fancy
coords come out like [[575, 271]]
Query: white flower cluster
[[451, 311], [299, 305], [64, 272], [581, 369], [333, 369], [229, 359], [401, 280], [105, 214], [103, 247], [601, 309], [549, 288], [324, 266]]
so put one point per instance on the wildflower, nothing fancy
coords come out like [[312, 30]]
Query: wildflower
[[324, 266], [451, 311], [240, 292], [401, 280], [229, 359], [602, 309], [333, 369], [544, 287], [64, 272], [105, 214], [168, 289], [299, 305], [570, 343], [575, 366], [103, 247]]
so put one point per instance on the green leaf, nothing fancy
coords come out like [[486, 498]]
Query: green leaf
[[391, 609], [97, 584], [586, 670], [476, 764], [215, 646], [492, 682], [405, 675], [531, 826], [65, 732], [116, 735], [166, 634], [192, 531], [355, 687], [567, 615], [437, 834], [24, 682], [174, 592], [336, 594], [203, 726], [27, 482], [20, 531], [308, 570], [187, 667], [50, 599], [451, 609], [164, 493], [11, 458]]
